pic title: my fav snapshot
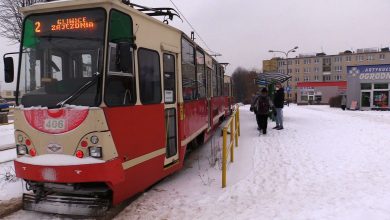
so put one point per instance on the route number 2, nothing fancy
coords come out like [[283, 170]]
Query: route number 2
[[38, 27]]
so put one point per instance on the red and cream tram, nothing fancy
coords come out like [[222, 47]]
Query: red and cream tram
[[109, 99]]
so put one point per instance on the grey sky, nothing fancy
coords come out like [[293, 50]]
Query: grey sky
[[244, 31]]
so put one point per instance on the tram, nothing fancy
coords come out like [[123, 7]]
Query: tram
[[109, 99]]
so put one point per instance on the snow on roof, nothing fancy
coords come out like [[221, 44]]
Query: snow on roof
[[57, 160]]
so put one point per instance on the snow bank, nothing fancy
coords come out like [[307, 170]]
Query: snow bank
[[6, 136], [57, 160]]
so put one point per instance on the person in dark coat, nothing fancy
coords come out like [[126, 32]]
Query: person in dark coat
[[262, 111], [279, 104]]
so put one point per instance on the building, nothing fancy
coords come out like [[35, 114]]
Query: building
[[319, 92], [320, 67], [368, 87], [270, 66]]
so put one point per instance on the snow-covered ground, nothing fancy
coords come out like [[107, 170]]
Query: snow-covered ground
[[6, 136], [325, 164]]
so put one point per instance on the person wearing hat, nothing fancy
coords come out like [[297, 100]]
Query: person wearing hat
[[262, 111]]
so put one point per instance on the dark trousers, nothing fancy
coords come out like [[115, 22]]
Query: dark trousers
[[343, 107], [262, 121]]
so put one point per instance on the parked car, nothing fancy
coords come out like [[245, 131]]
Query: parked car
[[4, 106]]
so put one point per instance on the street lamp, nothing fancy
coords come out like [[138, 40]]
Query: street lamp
[[286, 54]]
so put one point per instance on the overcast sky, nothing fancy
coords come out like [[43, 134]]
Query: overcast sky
[[244, 31]]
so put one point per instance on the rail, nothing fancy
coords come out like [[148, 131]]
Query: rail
[[233, 125]]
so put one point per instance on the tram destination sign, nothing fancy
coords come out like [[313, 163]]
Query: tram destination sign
[[84, 22], [370, 72]]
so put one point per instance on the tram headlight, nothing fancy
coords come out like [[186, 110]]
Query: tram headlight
[[21, 149], [95, 152]]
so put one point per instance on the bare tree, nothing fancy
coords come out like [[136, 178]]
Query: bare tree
[[11, 20]]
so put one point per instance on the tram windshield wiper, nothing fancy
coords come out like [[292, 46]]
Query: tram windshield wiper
[[79, 91]]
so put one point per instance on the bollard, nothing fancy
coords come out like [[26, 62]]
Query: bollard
[[231, 144], [224, 158]]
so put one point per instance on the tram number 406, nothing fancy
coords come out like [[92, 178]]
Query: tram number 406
[[54, 124]]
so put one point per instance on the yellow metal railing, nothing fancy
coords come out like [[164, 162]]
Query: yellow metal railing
[[233, 125]]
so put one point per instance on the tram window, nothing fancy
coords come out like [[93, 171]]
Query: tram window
[[188, 70], [214, 80], [120, 83], [220, 89], [169, 78], [201, 75], [149, 76], [170, 125]]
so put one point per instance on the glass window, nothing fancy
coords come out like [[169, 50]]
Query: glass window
[[365, 86], [149, 76], [381, 86], [169, 78], [381, 99], [170, 125], [188, 70], [120, 82], [214, 79], [201, 76], [62, 61], [366, 99]]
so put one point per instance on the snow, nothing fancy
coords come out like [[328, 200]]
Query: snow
[[11, 188], [6, 136], [58, 160], [326, 164]]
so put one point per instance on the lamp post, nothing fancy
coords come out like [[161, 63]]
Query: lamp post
[[286, 54]]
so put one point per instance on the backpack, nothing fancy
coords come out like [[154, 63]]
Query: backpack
[[263, 106]]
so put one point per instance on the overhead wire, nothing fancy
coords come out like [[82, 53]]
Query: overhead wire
[[193, 28]]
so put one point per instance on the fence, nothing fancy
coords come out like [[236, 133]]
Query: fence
[[233, 124]]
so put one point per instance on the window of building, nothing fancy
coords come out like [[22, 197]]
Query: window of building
[[290, 71], [370, 57], [348, 58], [337, 59], [338, 68], [304, 98], [381, 56], [188, 71], [149, 76], [316, 78], [316, 69], [289, 62], [326, 78], [296, 70], [169, 78], [337, 78], [365, 86], [306, 70], [306, 79], [361, 58], [297, 62], [381, 86], [306, 61], [120, 82], [316, 60]]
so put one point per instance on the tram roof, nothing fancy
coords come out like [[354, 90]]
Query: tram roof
[[272, 78]]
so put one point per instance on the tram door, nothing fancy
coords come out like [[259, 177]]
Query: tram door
[[170, 100]]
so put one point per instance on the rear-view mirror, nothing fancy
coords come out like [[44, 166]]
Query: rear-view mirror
[[8, 69]]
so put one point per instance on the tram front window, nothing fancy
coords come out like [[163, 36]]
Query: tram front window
[[62, 53]]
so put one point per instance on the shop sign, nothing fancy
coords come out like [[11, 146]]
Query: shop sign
[[370, 72]]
